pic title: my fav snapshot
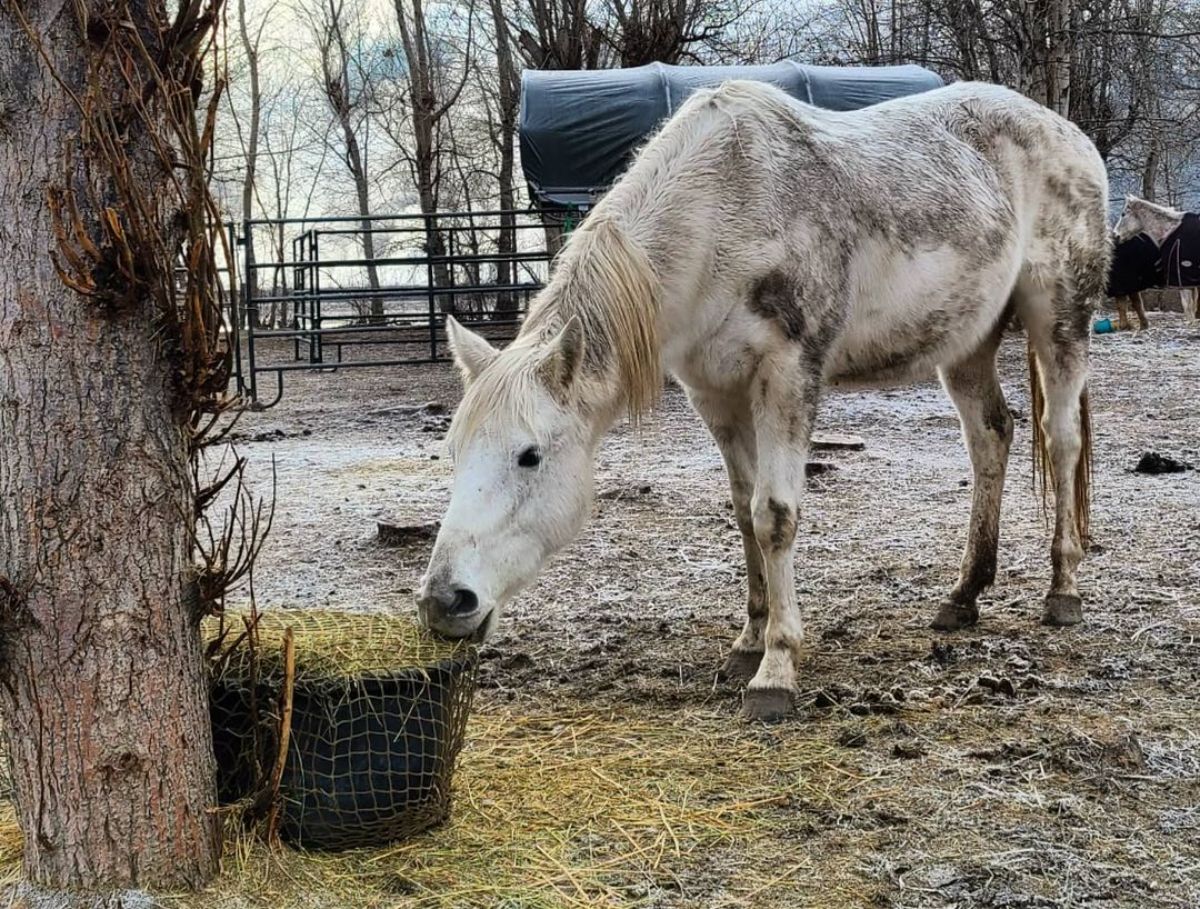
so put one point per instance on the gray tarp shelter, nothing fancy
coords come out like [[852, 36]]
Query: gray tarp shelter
[[578, 128]]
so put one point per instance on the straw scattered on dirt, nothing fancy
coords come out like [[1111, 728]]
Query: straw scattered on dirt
[[573, 808]]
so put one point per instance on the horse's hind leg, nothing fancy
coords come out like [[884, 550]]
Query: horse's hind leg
[[987, 428], [1190, 298], [1058, 335], [728, 419]]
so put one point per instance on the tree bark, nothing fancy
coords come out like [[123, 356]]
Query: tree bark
[[102, 683], [1058, 62], [358, 170], [1150, 170]]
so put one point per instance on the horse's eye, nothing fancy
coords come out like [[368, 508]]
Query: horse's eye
[[530, 457]]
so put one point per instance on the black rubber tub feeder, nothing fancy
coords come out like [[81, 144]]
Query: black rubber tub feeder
[[370, 711]]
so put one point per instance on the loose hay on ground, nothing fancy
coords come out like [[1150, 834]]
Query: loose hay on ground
[[568, 808]]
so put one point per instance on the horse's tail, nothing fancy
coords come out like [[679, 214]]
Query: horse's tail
[[1043, 466]]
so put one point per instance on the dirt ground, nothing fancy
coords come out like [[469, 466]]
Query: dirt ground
[[1010, 765]]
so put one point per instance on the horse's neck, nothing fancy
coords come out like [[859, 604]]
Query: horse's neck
[[1158, 221]]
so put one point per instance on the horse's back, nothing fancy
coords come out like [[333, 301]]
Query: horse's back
[[966, 146], [890, 238]]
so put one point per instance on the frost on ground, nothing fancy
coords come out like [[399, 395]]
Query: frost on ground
[[1007, 765]]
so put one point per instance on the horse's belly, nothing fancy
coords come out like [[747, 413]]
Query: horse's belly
[[895, 354], [909, 316]]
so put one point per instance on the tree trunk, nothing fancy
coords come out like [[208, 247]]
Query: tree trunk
[[426, 111], [1058, 63], [358, 171], [280, 281], [102, 682], [250, 279], [344, 100], [1046, 63], [506, 301], [1150, 171]]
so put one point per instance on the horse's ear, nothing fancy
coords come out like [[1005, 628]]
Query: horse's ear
[[564, 356], [472, 353]]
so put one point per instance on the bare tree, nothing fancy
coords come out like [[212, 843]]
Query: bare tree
[[665, 31], [111, 365], [1113, 66], [432, 90], [250, 46], [291, 178], [576, 34], [560, 34], [346, 85], [503, 130]]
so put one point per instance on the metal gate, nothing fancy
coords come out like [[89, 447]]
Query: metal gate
[[352, 292]]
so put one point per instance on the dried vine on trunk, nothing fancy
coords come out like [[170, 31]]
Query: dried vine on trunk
[[125, 256]]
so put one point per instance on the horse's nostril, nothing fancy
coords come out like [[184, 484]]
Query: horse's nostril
[[464, 603]]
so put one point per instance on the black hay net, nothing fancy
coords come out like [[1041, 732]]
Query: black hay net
[[374, 715]]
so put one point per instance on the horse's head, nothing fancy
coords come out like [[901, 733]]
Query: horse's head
[[523, 443], [1130, 223]]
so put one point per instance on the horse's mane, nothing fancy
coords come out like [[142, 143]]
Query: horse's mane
[[605, 283], [1165, 210]]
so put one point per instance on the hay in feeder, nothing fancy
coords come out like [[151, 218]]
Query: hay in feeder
[[331, 642], [344, 726]]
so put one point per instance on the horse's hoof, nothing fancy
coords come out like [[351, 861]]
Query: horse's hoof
[[766, 705], [740, 666], [1062, 609], [953, 616]]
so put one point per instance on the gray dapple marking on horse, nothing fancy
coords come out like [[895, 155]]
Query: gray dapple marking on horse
[[758, 249]]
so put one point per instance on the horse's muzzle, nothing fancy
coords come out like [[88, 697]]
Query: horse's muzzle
[[451, 611]]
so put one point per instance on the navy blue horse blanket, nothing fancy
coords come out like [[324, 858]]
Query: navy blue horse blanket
[[1138, 264], [1180, 262], [1134, 266]]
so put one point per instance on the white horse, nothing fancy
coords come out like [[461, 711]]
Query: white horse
[[1157, 222], [759, 248]]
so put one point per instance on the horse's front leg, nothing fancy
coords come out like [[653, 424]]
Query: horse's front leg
[[784, 406], [1139, 306], [1123, 313], [728, 419]]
